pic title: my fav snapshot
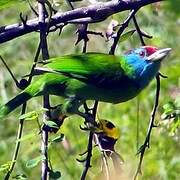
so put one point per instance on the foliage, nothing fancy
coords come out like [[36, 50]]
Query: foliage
[[162, 159]]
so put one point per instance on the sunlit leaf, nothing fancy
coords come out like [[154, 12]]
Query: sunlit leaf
[[6, 166], [34, 162], [58, 138], [127, 35], [33, 115], [51, 124], [20, 176]]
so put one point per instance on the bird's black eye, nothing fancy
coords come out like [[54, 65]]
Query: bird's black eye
[[110, 125], [142, 53]]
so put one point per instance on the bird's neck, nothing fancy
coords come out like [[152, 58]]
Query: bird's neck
[[148, 73], [142, 71]]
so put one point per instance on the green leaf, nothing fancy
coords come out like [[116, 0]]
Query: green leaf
[[58, 138], [34, 162], [33, 115], [54, 174], [169, 107], [6, 166], [20, 176], [51, 124], [126, 35]]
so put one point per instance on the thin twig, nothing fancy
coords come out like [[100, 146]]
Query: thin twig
[[19, 135], [146, 144], [21, 123], [137, 123], [138, 31], [90, 141], [45, 56], [95, 108], [123, 26], [70, 4], [10, 72], [89, 148], [34, 64], [87, 165], [88, 158]]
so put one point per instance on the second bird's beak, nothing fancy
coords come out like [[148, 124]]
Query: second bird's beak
[[159, 54]]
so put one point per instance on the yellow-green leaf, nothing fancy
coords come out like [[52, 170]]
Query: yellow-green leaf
[[126, 35], [34, 162]]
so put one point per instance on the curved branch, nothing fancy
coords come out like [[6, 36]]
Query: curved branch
[[92, 14]]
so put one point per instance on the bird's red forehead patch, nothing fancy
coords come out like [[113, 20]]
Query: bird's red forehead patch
[[150, 50]]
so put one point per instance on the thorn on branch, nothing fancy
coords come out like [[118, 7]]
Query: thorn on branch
[[56, 27], [81, 160], [146, 35], [162, 76], [82, 33], [33, 10], [23, 19], [82, 154], [95, 33]]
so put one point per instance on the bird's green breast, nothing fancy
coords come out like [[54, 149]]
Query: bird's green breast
[[112, 95]]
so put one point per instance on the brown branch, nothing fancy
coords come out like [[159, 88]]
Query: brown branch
[[95, 13]]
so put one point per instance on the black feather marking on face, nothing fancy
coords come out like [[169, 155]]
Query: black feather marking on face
[[110, 125]]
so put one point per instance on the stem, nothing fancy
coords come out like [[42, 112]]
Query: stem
[[45, 56], [137, 123], [19, 135], [151, 125], [88, 158], [123, 26], [21, 123], [138, 31], [10, 72]]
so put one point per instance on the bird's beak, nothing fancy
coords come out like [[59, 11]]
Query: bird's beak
[[159, 54]]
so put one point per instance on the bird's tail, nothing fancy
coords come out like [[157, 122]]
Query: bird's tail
[[20, 99]]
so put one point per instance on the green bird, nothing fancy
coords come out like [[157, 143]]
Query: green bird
[[92, 76]]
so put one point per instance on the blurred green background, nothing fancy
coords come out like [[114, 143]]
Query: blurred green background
[[162, 160]]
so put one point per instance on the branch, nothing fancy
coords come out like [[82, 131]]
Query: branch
[[138, 31], [88, 158], [21, 122], [124, 25], [45, 55], [18, 143], [146, 144], [96, 13]]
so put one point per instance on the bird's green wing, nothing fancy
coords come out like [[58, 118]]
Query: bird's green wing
[[99, 69]]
